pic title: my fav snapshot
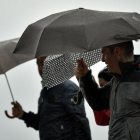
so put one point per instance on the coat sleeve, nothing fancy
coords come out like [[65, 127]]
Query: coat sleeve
[[31, 120], [101, 118], [82, 129], [97, 98]]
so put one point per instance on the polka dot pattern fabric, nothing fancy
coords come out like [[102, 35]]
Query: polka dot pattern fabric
[[90, 58], [59, 68]]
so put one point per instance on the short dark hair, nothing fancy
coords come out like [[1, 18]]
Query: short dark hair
[[127, 47], [105, 75]]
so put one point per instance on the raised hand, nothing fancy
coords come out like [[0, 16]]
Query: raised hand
[[81, 69], [17, 110]]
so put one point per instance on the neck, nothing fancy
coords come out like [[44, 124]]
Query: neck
[[125, 60], [118, 71]]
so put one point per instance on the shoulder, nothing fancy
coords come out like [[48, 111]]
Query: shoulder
[[64, 88], [68, 87], [133, 75]]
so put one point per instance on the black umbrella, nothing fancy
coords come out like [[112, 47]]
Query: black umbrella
[[78, 30], [8, 60]]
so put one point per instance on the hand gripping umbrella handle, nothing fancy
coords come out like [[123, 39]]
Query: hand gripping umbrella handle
[[6, 113]]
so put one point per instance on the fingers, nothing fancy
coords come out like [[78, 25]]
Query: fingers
[[83, 63], [79, 72], [81, 69], [15, 111], [79, 62], [13, 103], [17, 103]]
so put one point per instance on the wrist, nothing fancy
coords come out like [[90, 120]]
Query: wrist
[[21, 115], [25, 115]]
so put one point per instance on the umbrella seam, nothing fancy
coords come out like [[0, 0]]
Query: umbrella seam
[[130, 25], [84, 30]]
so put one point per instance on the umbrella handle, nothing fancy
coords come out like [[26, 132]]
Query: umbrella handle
[[77, 99], [6, 113]]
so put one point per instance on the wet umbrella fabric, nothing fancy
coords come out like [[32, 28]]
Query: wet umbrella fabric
[[78, 30], [59, 68], [8, 60]]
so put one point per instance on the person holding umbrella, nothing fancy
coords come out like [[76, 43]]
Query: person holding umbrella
[[9, 61], [83, 30], [58, 117], [103, 117], [121, 94]]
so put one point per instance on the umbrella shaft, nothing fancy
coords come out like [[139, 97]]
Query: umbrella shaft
[[9, 88]]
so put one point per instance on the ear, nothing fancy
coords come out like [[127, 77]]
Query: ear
[[117, 51]]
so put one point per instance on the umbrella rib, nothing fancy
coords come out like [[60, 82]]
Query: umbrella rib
[[130, 25]]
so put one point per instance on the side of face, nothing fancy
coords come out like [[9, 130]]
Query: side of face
[[110, 59], [102, 82], [40, 62]]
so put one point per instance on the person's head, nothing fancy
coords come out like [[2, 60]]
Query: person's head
[[121, 52], [40, 62], [104, 77]]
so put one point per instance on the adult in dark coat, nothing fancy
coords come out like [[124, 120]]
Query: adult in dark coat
[[58, 118], [121, 94]]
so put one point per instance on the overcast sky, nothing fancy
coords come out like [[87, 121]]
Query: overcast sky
[[15, 16]]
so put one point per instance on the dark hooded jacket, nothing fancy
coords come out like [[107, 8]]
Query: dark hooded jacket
[[122, 96], [58, 118]]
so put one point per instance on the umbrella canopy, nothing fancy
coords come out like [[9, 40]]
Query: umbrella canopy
[[8, 60], [59, 68], [78, 30]]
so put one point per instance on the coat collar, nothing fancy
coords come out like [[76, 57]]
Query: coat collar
[[128, 66], [125, 67]]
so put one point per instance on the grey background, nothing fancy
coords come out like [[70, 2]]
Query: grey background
[[15, 16]]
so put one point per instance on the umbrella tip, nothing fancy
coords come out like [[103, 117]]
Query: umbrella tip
[[81, 8]]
